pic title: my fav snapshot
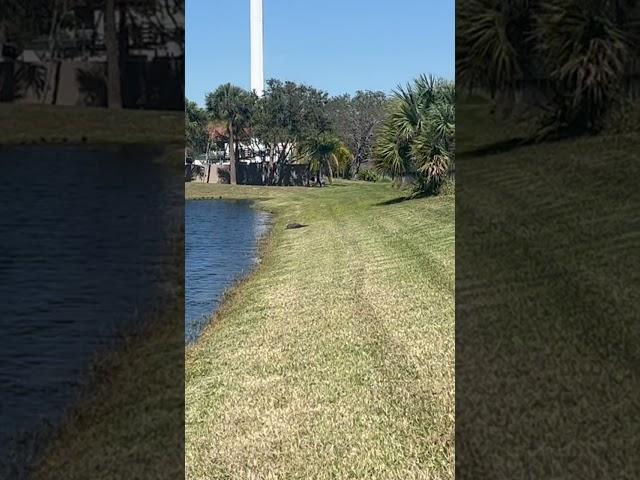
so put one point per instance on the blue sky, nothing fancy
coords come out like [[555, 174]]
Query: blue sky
[[339, 46]]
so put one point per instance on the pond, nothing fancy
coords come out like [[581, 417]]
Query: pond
[[86, 249], [220, 247]]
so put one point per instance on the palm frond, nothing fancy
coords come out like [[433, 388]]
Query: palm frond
[[417, 137]]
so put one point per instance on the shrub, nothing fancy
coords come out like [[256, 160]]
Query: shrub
[[368, 176], [625, 119], [224, 175], [417, 138], [448, 187]]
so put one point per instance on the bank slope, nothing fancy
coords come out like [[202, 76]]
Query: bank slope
[[336, 358]]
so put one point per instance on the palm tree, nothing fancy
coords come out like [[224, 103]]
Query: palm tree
[[581, 49], [321, 154], [416, 140], [234, 106], [492, 43], [195, 123], [345, 161], [586, 49]]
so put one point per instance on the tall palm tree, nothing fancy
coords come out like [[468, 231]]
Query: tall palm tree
[[416, 140], [234, 106], [321, 154]]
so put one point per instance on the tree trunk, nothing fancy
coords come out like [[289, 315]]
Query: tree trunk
[[53, 36], [114, 93], [358, 159], [233, 180], [504, 102], [282, 159], [280, 174], [272, 166], [329, 172], [56, 82], [8, 92]]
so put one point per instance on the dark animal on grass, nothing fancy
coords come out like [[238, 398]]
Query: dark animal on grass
[[291, 226]]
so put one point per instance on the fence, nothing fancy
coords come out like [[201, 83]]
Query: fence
[[249, 174]]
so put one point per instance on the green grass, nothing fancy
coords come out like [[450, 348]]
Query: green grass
[[547, 305], [46, 124], [335, 359]]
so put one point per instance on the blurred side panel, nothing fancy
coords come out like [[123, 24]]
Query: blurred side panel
[[547, 243], [92, 239]]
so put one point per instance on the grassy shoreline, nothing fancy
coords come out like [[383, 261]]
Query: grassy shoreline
[[264, 243], [335, 356], [34, 124], [127, 420]]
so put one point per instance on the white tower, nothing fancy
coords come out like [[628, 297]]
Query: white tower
[[257, 47]]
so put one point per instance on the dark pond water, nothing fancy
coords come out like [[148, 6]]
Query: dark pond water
[[220, 246], [85, 244]]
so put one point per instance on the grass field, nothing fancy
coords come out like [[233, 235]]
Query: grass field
[[335, 359], [547, 305]]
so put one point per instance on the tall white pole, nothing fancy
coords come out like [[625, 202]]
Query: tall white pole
[[257, 47]]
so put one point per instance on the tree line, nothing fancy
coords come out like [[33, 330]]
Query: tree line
[[407, 136]]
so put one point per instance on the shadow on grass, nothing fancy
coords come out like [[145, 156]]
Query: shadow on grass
[[496, 148], [394, 201], [505, 146]]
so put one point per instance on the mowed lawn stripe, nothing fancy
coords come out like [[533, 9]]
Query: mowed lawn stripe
[[558, 315], [347, 371]]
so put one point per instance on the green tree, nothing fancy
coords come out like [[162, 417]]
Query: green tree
[[195, 123], [345, 161], [285, 116], [321, 152], [356, 121], [416, 140], [234, 106], [20, 23]]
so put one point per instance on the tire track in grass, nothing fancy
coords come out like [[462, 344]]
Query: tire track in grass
[[576, 291], [406, 398], [318, 383]]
